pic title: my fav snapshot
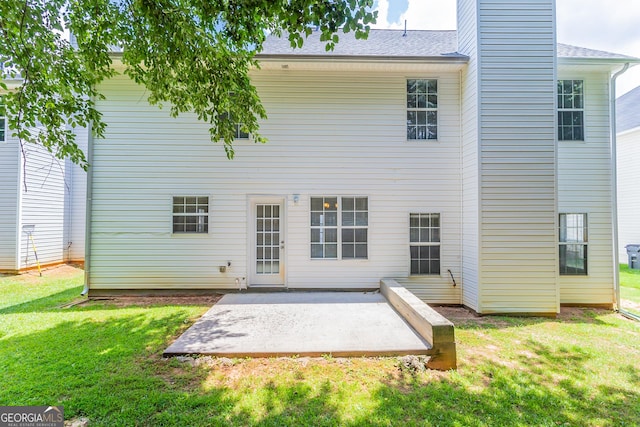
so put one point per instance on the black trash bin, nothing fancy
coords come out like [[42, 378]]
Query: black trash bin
[[633, 252]]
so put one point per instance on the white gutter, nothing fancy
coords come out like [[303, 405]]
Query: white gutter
[[88, 208], [614, 187]]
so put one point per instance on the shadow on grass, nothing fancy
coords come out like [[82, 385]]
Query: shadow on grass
[[110, 371], [462, 319], [545, 388], [49, 302]]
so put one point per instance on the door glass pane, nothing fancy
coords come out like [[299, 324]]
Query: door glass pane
[[268, 239]]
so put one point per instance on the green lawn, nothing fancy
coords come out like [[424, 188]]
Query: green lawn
[[103, 361], [630, 289]]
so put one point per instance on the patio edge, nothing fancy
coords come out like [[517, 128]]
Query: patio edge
[[437, 330]]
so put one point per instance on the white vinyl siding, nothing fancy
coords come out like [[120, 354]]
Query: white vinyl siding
[[9, 202], [43, 206], [468, 45], [76, 206], [517, 149], [336, 133], [584, 185], [628, 191]]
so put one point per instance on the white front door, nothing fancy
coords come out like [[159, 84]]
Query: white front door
[[267, 241]]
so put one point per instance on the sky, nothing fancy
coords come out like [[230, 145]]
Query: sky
[[609, 25]]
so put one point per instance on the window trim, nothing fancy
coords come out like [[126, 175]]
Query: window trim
[[3, 119], [239, 135], [339, 227], [438, 243], [206, 215], [563, 109], [584, 243], [426, 109]]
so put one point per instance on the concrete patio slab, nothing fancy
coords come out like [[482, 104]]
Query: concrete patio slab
[[300, 323]]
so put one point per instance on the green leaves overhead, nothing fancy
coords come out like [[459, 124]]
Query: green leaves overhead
[[194, 55]]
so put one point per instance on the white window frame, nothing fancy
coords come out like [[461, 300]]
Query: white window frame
[[579, 238], [342, 216], [3, 120], [432, 240], [201, 207], [570, 102], [239, 134], [423, 106]]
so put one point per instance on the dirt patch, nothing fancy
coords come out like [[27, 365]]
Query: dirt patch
[[58, 272], [464, 316], [159, 300], [630, 305]]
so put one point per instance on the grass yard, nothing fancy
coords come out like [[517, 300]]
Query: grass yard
[[630, 289], [102, 361]]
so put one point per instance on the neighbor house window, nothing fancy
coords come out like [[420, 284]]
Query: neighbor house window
[[191, 214], [573, 244], [424, 237], [339, 227], [570, 110], [422, 109], [3, 121]]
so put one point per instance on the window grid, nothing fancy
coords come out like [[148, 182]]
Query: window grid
[[422, 109], [571, 110], [3, 121], [573, 244], [268, 239], [191, 214], [355, 221], [324, 227], [239, 134], [424, 237], [339, 227]]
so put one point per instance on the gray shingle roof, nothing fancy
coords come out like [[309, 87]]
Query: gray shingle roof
[[389, 43], [568, 51], [392, 43], [628, 111]]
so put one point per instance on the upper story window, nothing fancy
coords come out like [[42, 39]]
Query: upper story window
[[191, 214], [571, 110], [424, 237], [422, 109], [573, 244], [3, 121], [339, 227], [240, 134]]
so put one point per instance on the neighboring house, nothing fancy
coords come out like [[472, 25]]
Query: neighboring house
[[472, 166], [43, 195], [628, 158]]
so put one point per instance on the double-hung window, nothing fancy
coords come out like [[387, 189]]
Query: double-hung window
[[573, 244], [191, 214], [571, 110], [3, 121], [422, 109], [339, 227], [424, 246], [239, 133]]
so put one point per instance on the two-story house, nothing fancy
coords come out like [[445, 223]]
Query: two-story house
[[473, 166]]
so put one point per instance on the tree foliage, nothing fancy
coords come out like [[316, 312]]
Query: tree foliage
[[194, 55]]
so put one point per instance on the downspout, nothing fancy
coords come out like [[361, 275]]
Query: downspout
[[614, 187], [88, 207]]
